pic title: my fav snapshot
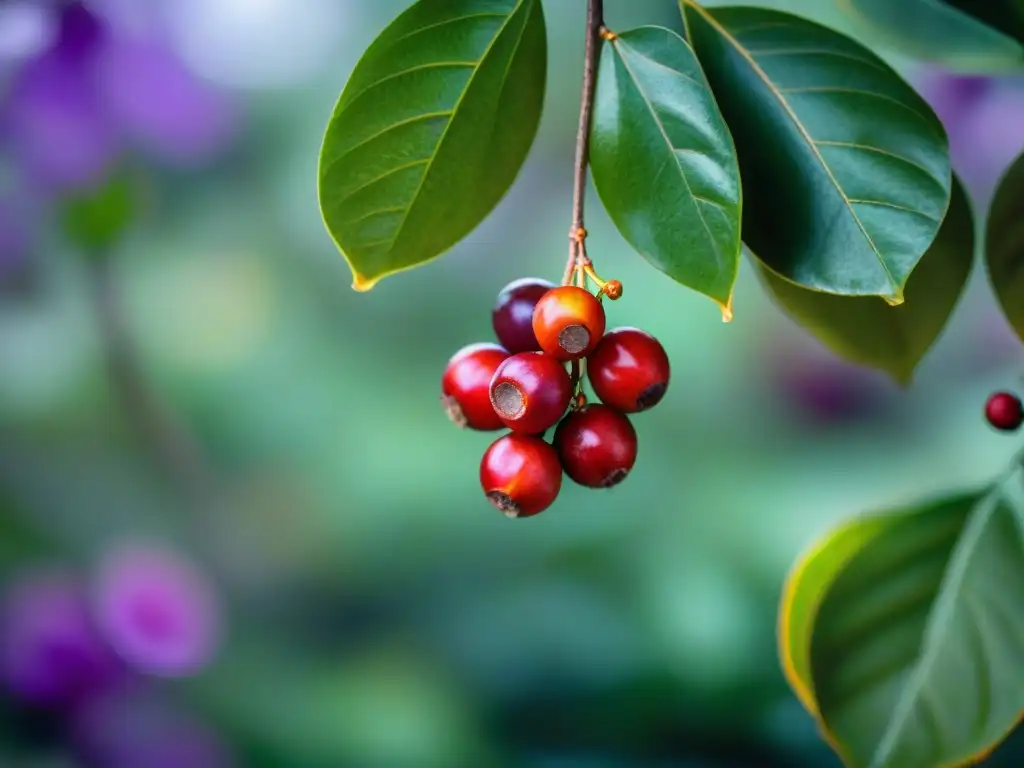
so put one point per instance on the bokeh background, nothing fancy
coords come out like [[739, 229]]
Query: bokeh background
[[269, 547]]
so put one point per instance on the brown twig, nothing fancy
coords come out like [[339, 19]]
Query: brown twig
[[577, 232], [172, 448]]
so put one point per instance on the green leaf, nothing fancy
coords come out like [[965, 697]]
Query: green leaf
[[904, 631], [845, 169], [95, 220], [866, 330], [968, 35], [431, 130], [1004, 245], [663, 161]]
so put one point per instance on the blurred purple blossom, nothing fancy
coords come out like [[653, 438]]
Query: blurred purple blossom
[[156, 611], [50, 652], [100, 90], [984, 118], [820, 389], [132, 728]]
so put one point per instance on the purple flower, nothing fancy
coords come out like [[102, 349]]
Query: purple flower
[[50, 652], [157, 102], [822, 389], [132, 728], [984, 118], [57, 132], [996, 130], [99, 90], [156, 611]]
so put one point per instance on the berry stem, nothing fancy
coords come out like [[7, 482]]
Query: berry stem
[[596, 32]]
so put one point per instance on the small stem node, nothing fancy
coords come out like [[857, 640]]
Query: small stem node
[[607, 34]]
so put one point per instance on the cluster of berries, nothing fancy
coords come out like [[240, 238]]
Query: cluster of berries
[[1004, 411], [522, 383]]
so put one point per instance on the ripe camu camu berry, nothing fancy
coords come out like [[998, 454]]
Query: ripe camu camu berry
[[520, 475], [530, 392], [568, 322], [512, 316], [522, 383], [465, 386], [1004, 411], [629, 370], [597, 446]]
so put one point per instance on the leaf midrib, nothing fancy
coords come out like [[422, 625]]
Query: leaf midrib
[[455, 113], [763, 76], [668, 142], [938, 621]]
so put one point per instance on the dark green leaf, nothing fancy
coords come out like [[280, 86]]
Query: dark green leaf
[[916, 637], [846, 173], [95, 220], [1004, 245], [866, 330], [966, 35], [431, 131], [663, 160], [1005, 15]]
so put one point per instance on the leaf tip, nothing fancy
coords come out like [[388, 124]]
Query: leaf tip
[[895, 299], [363, 284], [726, 309], [903, 379]]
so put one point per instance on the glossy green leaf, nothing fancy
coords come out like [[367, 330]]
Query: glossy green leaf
[[95, 220], [967, 35], [866, 330], [431, 130], [663, 161], [1004, 245], [904, 631], [846, 174]]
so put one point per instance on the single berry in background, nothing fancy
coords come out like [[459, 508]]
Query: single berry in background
[[568, 322], [1004, 411], [465, 386], [530, 392], [512, 316], [596, 445], [521, 475], [629, 370]]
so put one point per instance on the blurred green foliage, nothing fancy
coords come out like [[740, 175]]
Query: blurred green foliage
[[382, 615]]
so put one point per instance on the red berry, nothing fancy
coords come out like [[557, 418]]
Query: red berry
[[521, 475], [596, 445], [568, 322], [530, 392], [512, 315], [1004, 411], [465, 386], [629, 370]]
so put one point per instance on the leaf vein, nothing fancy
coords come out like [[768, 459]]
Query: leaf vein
[[383, 131], [641, 55], [418, 68], [446, 22], [880, 151], [455, 109], [884, 204], [788, 109], [380, 177], [767, 52], [859, 92], [984, 666], [672, 148]]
